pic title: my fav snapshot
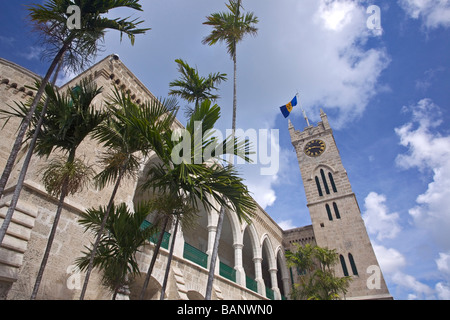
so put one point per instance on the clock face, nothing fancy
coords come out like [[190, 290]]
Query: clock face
[[315, 148]]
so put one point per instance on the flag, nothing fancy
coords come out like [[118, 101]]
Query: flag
[[286, 109]]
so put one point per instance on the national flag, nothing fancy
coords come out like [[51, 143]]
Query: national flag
[[286, 109]]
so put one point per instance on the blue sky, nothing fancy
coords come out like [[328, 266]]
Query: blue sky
[[386, 94]]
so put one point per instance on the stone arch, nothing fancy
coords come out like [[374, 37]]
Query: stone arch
[[153, 291], [282, 273], [251, 250], [253, 235], [316, 170], [265, 240], [195, 295]]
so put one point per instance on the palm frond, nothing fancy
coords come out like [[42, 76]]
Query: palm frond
[[58, 170]]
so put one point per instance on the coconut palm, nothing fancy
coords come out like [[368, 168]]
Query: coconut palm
[[200, 182], [76, 46], [124, 149], [229, 27], [116, 252], [194, 88], [71, 117]]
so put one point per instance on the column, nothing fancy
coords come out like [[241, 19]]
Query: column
[[258, 276], [274, 282], [212, 230], [240, 272]]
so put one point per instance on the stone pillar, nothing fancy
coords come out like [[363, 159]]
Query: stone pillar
[[238, 266], [286, 286], [274, 282], [179, 243], [258, 276], [212, 230]]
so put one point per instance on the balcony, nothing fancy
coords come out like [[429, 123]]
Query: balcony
[[195, 255], [154, 238]]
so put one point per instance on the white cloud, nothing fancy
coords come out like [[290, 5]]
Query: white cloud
[[377, 218], [421, 290], [433, 13], [34, 53], [443, 291], [443, 263], [390, 259], [429, 151], [287, 224]]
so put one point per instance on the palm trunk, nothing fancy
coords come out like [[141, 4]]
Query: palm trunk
[[214, 255], [155, 255], [64, 192], [24, 126], [222, 210], [23, 171], [100, 232], [233, 124], [169, 261]]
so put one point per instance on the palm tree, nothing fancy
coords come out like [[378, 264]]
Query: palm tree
[[77, 46], [28, 156], [231, 28], [318, 280], [116, 252], [200, 183], [70, 119], [194, 88], [124, 148]]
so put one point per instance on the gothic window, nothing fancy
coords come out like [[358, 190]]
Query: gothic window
[[325, 183], [344, 266], [333, 186], [330, 217], [318, 187], [336, 210], [352, 264]]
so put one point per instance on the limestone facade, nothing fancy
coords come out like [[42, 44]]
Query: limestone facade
[[251, 257]]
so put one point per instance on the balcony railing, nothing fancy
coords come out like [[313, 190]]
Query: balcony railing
[[270, 294], [154, 238], [251, 284], [195, 255], [227, 272]]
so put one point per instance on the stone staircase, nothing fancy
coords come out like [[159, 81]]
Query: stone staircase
[[15, 243]]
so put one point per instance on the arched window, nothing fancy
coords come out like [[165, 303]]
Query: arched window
[[330, 176], [330, 217], [352, 264], [318, 187], [344, 266], [325, 183], [336, 210]]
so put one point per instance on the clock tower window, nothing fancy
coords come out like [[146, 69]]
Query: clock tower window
[[333, 186], [330, 217], [336, 210], [344, 265], [325, 183], [319, 188], [352, 264]]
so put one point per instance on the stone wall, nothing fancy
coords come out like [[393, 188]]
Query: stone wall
[[24, 245]]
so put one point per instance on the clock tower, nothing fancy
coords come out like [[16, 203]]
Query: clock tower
[[335, 214]]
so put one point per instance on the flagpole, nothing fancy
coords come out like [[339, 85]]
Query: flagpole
[[303, 111]]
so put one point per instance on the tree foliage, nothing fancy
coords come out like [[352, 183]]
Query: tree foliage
[[318, 280]]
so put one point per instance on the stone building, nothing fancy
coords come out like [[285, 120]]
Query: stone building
[[251, 262]]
